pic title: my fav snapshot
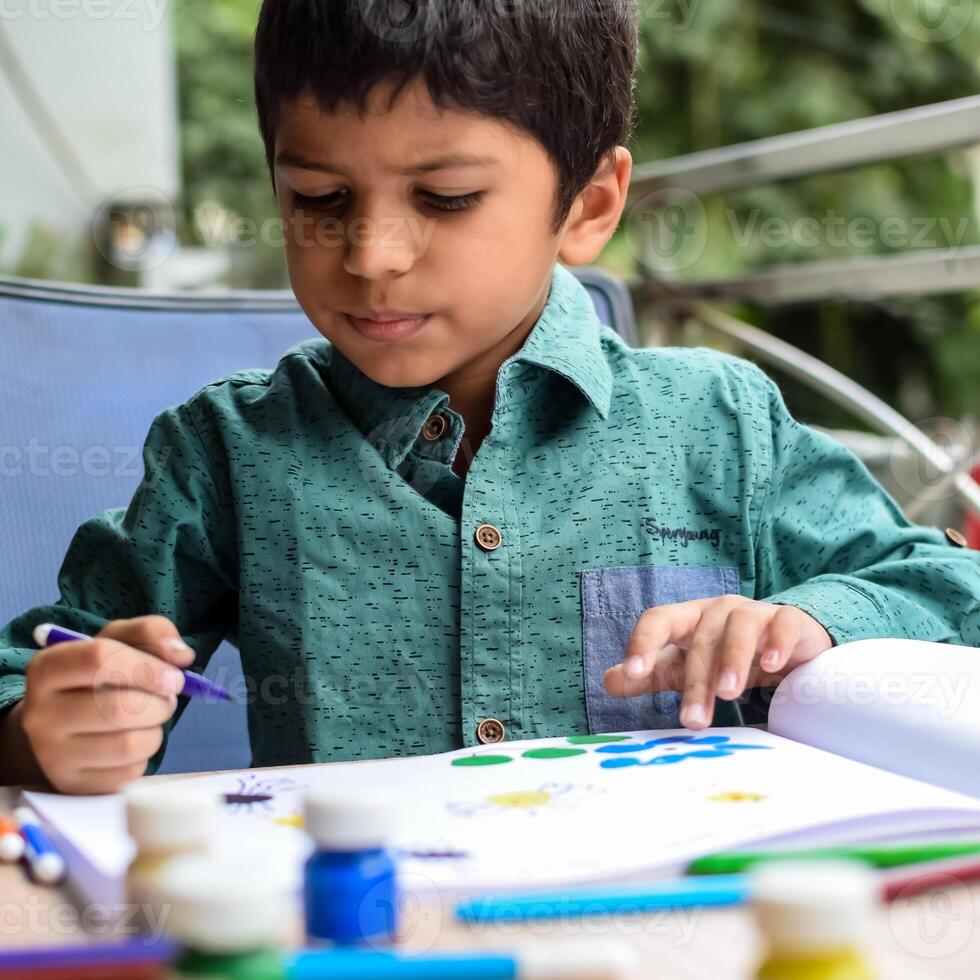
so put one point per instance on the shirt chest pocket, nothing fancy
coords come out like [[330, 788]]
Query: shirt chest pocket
[[613, 599]]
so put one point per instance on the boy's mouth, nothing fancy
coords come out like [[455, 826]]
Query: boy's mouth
[[389, 326]]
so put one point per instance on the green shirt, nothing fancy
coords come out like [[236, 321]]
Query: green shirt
[[312, 517]]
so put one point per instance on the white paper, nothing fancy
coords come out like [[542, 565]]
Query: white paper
[[640, 806], [904, 705]]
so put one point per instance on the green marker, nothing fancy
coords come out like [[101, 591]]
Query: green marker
[[877, 855]]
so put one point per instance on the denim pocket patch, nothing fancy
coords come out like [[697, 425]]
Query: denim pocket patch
[[613, 599]]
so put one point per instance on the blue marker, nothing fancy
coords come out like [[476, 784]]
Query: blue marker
[[355, 965], [47, 865], [673, 894], [195, 686], [540, 961]]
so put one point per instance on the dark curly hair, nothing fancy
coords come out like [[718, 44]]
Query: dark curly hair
[[561, 71]]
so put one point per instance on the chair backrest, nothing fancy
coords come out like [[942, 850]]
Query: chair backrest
[[83, 372]]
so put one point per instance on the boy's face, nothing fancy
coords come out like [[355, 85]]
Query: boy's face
[[378, 242]]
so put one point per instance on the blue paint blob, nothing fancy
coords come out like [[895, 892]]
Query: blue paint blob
[[722, 747]]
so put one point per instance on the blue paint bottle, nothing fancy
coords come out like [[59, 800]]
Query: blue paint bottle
[[350, 887]]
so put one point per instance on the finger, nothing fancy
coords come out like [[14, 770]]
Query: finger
[[667, 675], [95, 781], [697, 703], [739, 646], [784, 634], [111, 750], [102, 663], [656, 627], [105, 710], [154, 634]]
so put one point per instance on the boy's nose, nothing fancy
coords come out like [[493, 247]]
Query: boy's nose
[[378, 247]]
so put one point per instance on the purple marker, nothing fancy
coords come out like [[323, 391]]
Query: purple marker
[[195, 685]]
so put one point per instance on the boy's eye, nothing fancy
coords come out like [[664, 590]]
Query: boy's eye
[[441, 202], [458, 203]]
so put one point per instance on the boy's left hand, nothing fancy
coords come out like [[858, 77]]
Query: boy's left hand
[[709, 647]]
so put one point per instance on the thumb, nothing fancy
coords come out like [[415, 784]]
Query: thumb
[[153, 634]]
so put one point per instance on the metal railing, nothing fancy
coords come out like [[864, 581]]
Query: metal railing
[[914, 132]]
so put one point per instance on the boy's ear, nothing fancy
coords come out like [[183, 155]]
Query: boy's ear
[[597, 210]]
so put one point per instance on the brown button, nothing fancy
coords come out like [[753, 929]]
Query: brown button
[[434, 428], [490, 730], [957, 537], [488, 537]]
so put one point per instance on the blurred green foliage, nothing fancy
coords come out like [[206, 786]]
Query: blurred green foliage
[[713, 73]]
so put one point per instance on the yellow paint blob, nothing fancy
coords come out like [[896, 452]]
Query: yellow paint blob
[[736, 797], [520, 800], [293, 820]]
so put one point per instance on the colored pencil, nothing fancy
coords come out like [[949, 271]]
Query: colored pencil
[[674, 893], [903, 882], [877, 855]]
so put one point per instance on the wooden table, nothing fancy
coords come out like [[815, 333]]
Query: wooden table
[[933, 936]]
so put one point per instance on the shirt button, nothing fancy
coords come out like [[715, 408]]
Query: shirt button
[[434, 428], [488, 537], [957, 537], [490, 730]]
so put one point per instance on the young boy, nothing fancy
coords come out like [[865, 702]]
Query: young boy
[[449, 520]]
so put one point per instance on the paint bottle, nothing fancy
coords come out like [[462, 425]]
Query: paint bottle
[[815, 917], [165, 821], [349, 888], [230, 917]]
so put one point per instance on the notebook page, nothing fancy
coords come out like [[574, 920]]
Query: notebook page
[[907, 706], [562, 810]]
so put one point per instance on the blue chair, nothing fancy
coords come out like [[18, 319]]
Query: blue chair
[[84, 372]]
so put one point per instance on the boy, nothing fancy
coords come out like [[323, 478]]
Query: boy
[[448, 520]]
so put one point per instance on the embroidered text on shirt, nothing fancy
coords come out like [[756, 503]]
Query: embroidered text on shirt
[[684, 534]]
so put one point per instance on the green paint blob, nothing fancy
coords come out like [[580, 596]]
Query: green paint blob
[[552, 753], [596, 739], [482, 760]]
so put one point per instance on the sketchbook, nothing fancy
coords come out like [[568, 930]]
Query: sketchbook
[[848, 734]]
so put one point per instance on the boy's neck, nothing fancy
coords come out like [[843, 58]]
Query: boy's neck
[[472, 390]]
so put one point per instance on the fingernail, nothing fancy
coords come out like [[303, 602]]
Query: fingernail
[[178, 646], [693, 715], [770, 659], [635, 667], [172, 682], [728, 681]]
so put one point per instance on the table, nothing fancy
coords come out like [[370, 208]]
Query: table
[[933, 936]]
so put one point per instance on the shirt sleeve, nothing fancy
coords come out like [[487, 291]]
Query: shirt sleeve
[[833, 542], [169, 553]]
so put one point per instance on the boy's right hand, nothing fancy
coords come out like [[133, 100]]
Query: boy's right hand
[[94, 709]]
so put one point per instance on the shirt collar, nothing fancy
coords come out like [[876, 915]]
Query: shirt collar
[[565, 340]]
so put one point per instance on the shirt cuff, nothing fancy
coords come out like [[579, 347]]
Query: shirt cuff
[[845, 612], [12, 690]]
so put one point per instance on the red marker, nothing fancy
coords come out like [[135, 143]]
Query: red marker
[[928, 875], [11, 842]]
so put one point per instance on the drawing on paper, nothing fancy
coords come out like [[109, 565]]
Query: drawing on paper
[[529, 801], [735, 796], [255, 794], [476, 760], [624, 754]]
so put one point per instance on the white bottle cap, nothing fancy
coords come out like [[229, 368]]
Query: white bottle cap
[[169, 816], [219, 905], [349, 821], [803, 905]]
